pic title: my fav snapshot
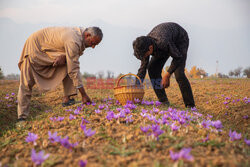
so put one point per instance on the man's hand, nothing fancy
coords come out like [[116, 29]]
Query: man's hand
[[86, 99], [165, 82], [60, 60]]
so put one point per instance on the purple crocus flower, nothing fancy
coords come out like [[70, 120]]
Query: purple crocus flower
[[53, 118], [245, 117], [193, 109], [247, 142], [183, 154], [65, 143], [93, 103], [206, 123], [182, 120], [155, 110], [127, 111], [217, 124], [84, 121], [174, 156], [129, 119], [145, 129], [31, 137], [71, 117], [76, 112], [206, 139], [82, 163], [101, 107], [88, 132], [157, 103], [144, 111], [60, 118], [234, 135], [122, 114], [174, 128], [137, 100], [53, 137], [39, 157], [110, 115], [98, 111], [117, 102]]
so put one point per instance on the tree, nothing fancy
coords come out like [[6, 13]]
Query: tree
[[1, 73], [88, 75], [237, 71], [220, 75], [247, 72], [100, 74], [110, 74], [12, 77], [231, 73]]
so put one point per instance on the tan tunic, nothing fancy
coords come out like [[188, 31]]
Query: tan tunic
[[43, 46]]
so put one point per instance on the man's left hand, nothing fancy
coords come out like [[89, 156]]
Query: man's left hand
[[60, 60], [165, 82]]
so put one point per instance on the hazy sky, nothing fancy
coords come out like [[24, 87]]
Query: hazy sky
[[218, 29]]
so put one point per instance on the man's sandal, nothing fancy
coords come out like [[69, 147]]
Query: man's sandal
[[69, 103]]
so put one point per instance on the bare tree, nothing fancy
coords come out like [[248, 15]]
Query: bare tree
[[237, 71], [247, 72], [231, 73], [110, 74], [100, 74], [1, 73]]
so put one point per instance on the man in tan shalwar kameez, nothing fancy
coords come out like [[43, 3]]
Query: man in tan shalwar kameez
[[51, 56]]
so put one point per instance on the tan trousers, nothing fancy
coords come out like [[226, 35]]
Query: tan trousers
[[27, 81]]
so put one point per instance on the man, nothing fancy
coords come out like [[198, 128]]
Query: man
[[166, 39], [51, 56]]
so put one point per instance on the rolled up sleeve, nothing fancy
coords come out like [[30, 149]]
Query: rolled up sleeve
[[72, 50]]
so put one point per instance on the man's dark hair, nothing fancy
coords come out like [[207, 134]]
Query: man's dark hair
[[141, 45]]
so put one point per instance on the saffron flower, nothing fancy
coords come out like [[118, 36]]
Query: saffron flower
[[129, 119], [88, 132], [98, 111], [84, 121], [234, 135], [137, 100], [183, 154], [174, 128], [247, 142], [217, 124], [101, 107], [206, 124], [145, 129], [31, 138], [71, 117], [53, 137], [65, 143], [193, 109], [82, 163], [76, 112], [110, 115], [39, 157], [53, 118], [157, 103], [245, 117]]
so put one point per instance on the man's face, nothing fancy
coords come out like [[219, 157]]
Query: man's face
[[92, 41]]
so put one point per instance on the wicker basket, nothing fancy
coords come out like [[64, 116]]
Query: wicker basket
[[125, 93]]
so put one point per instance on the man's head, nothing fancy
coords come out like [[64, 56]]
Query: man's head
[[143, 47], [92, 36]]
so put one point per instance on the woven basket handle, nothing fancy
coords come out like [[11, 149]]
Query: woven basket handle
[[125, 76]]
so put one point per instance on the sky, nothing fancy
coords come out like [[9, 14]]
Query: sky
[[219, 30]]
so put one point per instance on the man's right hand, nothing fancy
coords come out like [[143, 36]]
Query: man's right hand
[[60, 60], [86, 99]]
